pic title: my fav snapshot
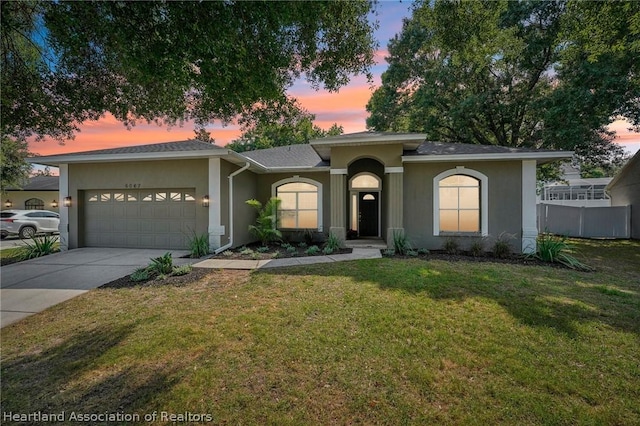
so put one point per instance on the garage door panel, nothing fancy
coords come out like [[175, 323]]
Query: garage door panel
[[132, 225], [159, 218]]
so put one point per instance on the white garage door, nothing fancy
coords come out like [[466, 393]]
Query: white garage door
[[149, 218]]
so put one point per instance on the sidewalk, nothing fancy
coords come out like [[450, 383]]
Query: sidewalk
[[358, 253]]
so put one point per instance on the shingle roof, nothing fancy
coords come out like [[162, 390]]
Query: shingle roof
[[443, 148], [302, 155], [179, 146], [39, 183]]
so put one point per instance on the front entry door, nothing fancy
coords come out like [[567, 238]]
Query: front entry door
[[368, 217]]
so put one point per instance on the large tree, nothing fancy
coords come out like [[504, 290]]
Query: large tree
[[278, 124], [520, 74], [64, 62], [13, 165]]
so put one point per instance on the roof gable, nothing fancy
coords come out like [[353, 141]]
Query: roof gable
[[290, 156]]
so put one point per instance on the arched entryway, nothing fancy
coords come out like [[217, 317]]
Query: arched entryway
[[365, 198]]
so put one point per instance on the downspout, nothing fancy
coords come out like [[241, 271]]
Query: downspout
[[231, 176]]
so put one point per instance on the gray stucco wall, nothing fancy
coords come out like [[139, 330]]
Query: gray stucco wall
[[146, 174], [244, 188], [626, 192], [504, 202]]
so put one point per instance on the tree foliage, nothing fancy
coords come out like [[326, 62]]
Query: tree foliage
[[65, 62], [278, 124], [533, 74], [14, 168]]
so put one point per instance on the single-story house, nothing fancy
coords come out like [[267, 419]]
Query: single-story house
[[624, 190], [368, 184], [39, 193]]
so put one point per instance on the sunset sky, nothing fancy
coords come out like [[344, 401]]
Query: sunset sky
[[346, 108]]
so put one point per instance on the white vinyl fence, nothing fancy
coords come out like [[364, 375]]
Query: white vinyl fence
[[585, 222]]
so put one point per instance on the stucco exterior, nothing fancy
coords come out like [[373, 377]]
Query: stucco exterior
[[504, 184], [403, 169], [624, 190]]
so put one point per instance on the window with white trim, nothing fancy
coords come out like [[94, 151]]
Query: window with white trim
[[460, 202], [300, 203]]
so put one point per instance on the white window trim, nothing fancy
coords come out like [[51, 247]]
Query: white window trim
[[373, 175], [484, 198], [295, 179]]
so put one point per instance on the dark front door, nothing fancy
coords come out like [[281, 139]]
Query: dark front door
[[368, 207]]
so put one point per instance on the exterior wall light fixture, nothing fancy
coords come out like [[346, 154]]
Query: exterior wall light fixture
[[54, 204], [205, 201], [67, 201], [8, 204]]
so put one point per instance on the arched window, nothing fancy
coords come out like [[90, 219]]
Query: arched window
[[365, 182], [300, 203], [34, 204], [460, 202]]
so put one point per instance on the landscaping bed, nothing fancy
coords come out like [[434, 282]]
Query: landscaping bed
[[257, 251], [196, 274]]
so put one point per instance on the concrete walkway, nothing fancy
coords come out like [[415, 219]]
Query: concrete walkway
[[34, 285], [358, 253]]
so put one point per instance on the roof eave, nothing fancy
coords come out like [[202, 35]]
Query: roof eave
[[56, 160], [540, 157], [323, 146]]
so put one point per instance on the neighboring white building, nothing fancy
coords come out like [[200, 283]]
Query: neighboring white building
[[575, 191]]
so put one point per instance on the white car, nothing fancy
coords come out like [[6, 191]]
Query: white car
[[27, 223]]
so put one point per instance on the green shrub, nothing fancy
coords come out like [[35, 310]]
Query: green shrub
[[327, 250], [423, 251], [292, 250], [140, 274], [162, 265], [451, 246], [555, 249], [262, 249], [477, 248], [266, 225], [313, 250], [401, 243], [245, 251], [38, 246], [332, 244], [199, 245], [227, 253], [388, 252], [502, 246], [181, 270], [307, 235], [302, 245], [411, 252]]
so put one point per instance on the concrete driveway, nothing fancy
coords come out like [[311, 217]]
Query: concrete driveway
[[34, 285]]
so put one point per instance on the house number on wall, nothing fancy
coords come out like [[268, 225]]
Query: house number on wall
[[132, 185]]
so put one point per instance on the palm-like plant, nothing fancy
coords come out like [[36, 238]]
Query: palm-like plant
[[265, 228]]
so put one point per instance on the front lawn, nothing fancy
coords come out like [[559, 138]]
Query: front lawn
[[382, 341]]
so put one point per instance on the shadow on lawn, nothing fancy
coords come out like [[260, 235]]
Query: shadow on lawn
[[535, 296], [28, 381]]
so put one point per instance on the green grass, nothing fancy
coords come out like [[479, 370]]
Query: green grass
[[369, 342]]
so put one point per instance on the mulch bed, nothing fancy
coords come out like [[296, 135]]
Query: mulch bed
[[485, 257], [196, 274], [236, 254]]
